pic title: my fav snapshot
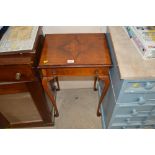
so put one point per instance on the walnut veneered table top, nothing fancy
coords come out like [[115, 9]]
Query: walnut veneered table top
[[75, 50]]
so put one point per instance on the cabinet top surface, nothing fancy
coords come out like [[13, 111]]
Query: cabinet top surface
[[75, 50], [18, 39], [130, 62]]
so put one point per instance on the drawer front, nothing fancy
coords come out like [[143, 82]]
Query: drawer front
[[74, 71], [133, 111], [140, 87], [125, 127], [137, 99], [129, 121], [134, 127], [16, 73], [150, 119], [134, 120], [152, 114]]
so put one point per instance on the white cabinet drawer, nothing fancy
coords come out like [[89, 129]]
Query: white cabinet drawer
[[137, 99], [126, 127], [140, 87], [140, 121], [142, 110], [129, 120], [134, 127]]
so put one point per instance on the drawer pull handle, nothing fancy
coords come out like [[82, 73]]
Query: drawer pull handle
[[18, 76], [134, 112], [152, 112], [127, 120], [123, 127], [96, 72], [148, 85], [53, 72], [141, 100]]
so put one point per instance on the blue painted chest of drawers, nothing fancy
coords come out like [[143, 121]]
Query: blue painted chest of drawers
[[128, 103]]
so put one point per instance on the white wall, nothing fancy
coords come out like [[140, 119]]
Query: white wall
[[74, 29], [74, 82]]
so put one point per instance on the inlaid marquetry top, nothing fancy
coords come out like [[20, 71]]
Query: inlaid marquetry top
[[130, 62], [75, 50]]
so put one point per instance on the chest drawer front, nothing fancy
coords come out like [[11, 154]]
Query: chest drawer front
[[129, 120], [16, 73], [126, 127], [74, 71], [139, 86], [137, 99], [133, 110], [134, 127]]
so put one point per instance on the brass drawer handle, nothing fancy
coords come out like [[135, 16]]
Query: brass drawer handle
[[18, 76]]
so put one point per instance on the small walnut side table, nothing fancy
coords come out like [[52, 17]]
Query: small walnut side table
[[75, 55]]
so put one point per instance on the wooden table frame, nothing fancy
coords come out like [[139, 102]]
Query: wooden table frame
[[58, 49], [46, 80]]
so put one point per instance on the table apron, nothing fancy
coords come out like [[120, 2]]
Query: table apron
[[93, 71]]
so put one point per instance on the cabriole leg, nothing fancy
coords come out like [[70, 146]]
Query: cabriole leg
[[106, 81]]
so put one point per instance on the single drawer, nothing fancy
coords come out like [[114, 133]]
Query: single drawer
[[16, 73], [152, 113], [147, 126], [77, 71], [128, 121], [140, 87], [126, 127], [137, 99], [150, 119], [132, 111], [134, 127]]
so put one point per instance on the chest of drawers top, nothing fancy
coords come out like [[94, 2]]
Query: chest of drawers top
[[131, 64]]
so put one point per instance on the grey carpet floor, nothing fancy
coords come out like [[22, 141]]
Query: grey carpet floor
[[77, 108]]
